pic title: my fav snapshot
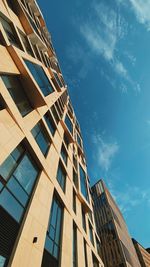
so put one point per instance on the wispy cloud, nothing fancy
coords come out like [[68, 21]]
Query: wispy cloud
[[141, 9], [105, 152]]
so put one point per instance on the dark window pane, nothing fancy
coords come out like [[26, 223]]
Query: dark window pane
[[7, 167], [26, 43], [91, 234], [61, 177], [83, 184], [9, 203], [69, 124], [2, 261], [40, 77], [75, 262], [64, 154], [41, 137], [17, 191], [12, 37], [50, 123], [17, 92]]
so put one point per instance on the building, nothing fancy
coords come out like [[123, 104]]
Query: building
[[143, 255], [46, 215], [116, 248]]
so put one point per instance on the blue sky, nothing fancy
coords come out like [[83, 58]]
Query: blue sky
[[104, 51]]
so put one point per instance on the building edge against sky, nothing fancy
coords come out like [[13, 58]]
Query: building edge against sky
[[45, 202], [116, 245], [143, 254]]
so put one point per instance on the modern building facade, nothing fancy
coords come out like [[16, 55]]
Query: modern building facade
[[116, 248], [46, 214], [142, 253]]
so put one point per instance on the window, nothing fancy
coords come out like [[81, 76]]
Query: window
[[91, 234], [2, 103], [64, 154], [79, 141], [18, 175], [61, 176], [83, 184], [74, 201], [51, 254], [83, 220], [16, 90], [66, 140], [98, 245], [57, 79], [40, 77], [41, 137], [85, 254], [26, 43], [95, 261], [75, 162], [69, 124], [12, 37], [75, 179], [50, 123], [55, 114], [75, 258]]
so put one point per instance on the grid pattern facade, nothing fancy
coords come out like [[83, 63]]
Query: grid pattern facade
[[116, 248], [46, 215]]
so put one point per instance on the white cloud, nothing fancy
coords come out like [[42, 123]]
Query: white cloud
[[142, 11], [105, 152]]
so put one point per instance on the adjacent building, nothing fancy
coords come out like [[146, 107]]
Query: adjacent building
[[116, 248], [142, 253], [46, 214]]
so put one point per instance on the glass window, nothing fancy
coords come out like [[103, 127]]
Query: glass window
[[83, 220], [18, 94], [66, 140], [50, 123], [55, 114], [64, 154], [53, 238], [41, 137], [91, 234], [26, 43], [75, 260], [61, 177], [95, 261], [40, 77], [69, 124], [74, 201], [83, 184], [12, 37], [85, 254], [2, 261], [75, 179], [19, 179], [79, 141], [57, 79]]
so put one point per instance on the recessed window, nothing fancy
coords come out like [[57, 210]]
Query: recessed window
[[55, 114], [95, 261], [83, 184], [57, 79], [83, 220], [40, 77], [12, 36], [74, 245], [26, 43], [75, 179], [85, 254], [18, 175], [50, 123], [16, 90], [41, 137], [64, 154], [74, 201], [53, 238], [69, 124], [61, 176], [79, 141], [91, 234], [66, 140]]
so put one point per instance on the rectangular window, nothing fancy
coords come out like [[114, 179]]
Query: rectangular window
[[18, 175], [85, 254], [26, 43], [50, 123], [12, 36], [16, 90], [41, 137], [40, 77], [75, 179], [61, 176], [95, 261], [83, 220], [91, 234], [57, 79], [51, 256], [69, 124], [83, 184], [79, 141], [66, 140], [74, 201], [55, 114], [75, 255], [64, 154]]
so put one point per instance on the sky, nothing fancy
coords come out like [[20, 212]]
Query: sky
[[103, 49]]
